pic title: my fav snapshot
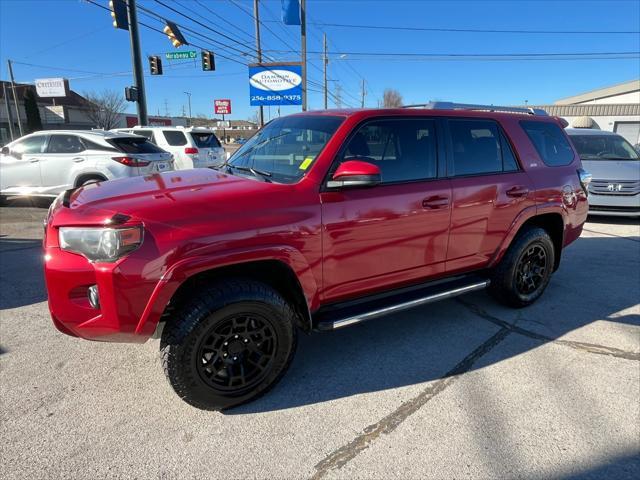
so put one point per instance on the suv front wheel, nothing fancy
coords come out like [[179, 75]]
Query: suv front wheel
[[229, 344], [525, 270]]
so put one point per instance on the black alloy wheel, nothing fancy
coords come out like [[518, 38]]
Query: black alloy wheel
[[531, 269]]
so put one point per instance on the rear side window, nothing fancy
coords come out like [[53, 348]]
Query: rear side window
[[174, 138], [148, 134], [205, 140], [89, 145], [550, 142], [476, 147], [65, 144], [135, 145]]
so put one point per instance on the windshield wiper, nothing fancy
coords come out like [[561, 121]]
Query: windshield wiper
[[255, 172]]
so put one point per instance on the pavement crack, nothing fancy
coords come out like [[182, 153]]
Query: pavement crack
[[582, 346], [343, 455]]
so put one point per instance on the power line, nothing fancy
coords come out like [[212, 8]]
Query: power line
[[228, 23], [477, 30]]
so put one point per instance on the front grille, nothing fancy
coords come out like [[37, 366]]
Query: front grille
[[598, 208], [614, 187]]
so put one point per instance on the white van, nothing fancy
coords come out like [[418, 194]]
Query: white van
[[192, 147]]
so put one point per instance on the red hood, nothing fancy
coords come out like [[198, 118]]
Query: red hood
[[159, 197]]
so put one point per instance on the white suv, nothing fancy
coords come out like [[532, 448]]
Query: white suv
[[46, 163], [192, 147]]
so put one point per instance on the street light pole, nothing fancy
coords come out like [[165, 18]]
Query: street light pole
[[136, 59], [303, 49], [256, 17], [15, 97], [188, 94], [325, 60]]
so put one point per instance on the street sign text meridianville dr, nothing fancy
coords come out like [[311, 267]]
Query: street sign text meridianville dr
[[189, 54]]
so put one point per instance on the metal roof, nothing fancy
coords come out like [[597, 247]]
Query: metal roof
[[618, 89], [592, 109]]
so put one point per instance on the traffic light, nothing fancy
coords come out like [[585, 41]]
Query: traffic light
[[208, 61], [119, 13], [173, 34], [155, 65]]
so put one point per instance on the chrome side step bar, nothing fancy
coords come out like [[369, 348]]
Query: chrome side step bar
[[434, 296]]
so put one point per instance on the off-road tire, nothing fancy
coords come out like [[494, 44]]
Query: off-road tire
[[208, 308], [504, 277]]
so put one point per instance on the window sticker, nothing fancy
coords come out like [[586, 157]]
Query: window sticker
[[306, 162]]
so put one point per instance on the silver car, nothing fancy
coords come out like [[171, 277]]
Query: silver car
[[615, 166], [46, 163]]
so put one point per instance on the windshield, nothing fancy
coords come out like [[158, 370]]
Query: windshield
[[286, 147], [603, 147], [205, 140]]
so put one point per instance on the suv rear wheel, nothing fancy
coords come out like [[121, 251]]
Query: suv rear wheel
[[229, 344], [525, 270]]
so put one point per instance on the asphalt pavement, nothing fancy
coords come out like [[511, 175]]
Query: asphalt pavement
[[464, 388]]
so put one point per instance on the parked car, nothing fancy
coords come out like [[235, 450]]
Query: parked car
[[321, 220], [615, 166], [192, 147], [46, 163]]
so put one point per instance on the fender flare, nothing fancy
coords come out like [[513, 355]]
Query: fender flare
[[524, 216], [184, 269]]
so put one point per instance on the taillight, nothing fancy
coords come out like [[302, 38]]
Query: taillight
[[585, 179], [131, 162], [190, 150]]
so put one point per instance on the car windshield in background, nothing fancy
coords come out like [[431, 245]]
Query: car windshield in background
[[134, 145], [205, 140], [287, 147], [603, 147]]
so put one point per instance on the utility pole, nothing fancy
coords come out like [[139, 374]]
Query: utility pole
[[166, 108], [15, 97], [189, 96], [325, 61], [256, 17], [9, 115], [364, 93], [303, 49], [136, 59]]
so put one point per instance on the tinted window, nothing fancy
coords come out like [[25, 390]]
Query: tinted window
[[148, 134], [286, 147], [603, 147], [550, 142], [29, 145], [205, 140], [509, 163], [135, 145], [404, 150], [476, 147], [174, 138], [64, 144], [89, 145]]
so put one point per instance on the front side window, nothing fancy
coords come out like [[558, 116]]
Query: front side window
[[286, 147], [603, 147], [65, 144], [174, 138], [29, 145], [549, 142], [403, 149]]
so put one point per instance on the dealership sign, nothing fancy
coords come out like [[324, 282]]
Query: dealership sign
[[275, 84], [222, 107], [52, 87]]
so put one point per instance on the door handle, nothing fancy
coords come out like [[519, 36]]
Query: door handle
[[34, 160], [518, 191], [78, 159], [435, 202]]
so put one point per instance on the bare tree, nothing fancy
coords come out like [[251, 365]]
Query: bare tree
[[391, 98], [104, 108]]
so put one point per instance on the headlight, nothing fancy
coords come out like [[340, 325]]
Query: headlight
[[100, 244]]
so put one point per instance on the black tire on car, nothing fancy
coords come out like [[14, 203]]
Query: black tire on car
[[228, 344], [525, 270]]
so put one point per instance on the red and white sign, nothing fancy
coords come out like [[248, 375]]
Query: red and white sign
[[153, 121], [222, 107]]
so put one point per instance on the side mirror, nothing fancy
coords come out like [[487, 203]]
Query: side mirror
[[355, 173], [5, 151]]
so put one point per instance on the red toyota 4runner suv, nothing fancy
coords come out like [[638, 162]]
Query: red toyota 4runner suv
[[319, 221]]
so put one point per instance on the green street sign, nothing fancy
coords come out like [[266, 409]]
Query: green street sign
[[181, 55]]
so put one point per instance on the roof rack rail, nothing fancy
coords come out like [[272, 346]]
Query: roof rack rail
[[484, 108]]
